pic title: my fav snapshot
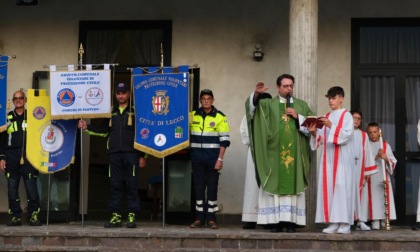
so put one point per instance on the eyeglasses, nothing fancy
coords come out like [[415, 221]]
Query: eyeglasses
[[18, 98]]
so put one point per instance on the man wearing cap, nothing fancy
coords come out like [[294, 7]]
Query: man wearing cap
[[281, 152], [209, 140], [124, 159]]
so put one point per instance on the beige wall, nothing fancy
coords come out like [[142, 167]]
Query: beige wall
[[217, 35]]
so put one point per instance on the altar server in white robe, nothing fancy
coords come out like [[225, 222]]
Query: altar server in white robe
[[383, 155], [336, 185], [251, 189], [365, 167]]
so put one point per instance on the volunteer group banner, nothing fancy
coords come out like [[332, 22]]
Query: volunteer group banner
[[80, 94], [51, 143], [161, 109], [3, 92]]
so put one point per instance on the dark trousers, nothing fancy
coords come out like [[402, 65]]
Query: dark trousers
[[123, 169], [15, 171], [205, 177]]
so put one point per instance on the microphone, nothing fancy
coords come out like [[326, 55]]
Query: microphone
[[288, 101]]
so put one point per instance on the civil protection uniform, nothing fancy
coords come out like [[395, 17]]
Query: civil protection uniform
[[14, 146], [208, 132], [123, 160]]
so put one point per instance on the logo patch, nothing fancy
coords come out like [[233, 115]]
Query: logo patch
[[94, 96], [39, 113], [160, 103], [178, 132], [66, 97], [52, 138], [144, 133], [160, 140]]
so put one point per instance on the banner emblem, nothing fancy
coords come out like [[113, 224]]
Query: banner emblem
[[66, 97], [160, 140], [144, 133], [160, 103], [178, 132], [39, 113], [49, 135], [94, 96]]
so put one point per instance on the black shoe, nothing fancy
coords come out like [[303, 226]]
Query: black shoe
[[196, 224], [277, 228], [14, 221], [291, 227], [114, 222], [416, 226], [249, 225], [34, 221], [131, 221]]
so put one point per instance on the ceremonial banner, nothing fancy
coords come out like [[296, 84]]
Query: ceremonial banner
[[161, 108], [3, 92], [50, 144], [80, 94]]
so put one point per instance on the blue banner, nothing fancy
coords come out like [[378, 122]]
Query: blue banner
[[3, 92], [161, 108]]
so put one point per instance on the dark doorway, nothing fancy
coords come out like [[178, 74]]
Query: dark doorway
[[128, 44]]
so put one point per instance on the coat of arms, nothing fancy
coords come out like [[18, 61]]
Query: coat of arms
[[160, 103]]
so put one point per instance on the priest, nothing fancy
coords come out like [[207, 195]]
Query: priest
[[281, 153]]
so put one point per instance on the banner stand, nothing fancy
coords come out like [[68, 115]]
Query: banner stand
[[163, 193], [48, 198], [81, 52], [81, 178]]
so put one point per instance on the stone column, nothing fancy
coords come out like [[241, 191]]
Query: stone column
[[303, 57]]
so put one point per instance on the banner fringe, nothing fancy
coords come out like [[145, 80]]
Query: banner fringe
[[3, 128], [161, 154], [80, 116]]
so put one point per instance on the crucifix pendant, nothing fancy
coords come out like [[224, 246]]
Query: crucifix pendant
[[285, 117]]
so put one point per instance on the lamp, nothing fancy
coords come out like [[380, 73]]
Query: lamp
[[258, 53], [26, 2]]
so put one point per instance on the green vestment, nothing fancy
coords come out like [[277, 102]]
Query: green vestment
[[281, 152]]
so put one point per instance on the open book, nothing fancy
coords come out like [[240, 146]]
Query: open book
[[314, 119]]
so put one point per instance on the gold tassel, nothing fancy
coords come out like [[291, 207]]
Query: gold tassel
[[8, 105], [130, 119], [21, 161], [110, 122], [72, 160]]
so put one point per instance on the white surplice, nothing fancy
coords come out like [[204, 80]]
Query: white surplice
[[376, 184], [336, 175], [251, 190], [365, 166], [287, 208]]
